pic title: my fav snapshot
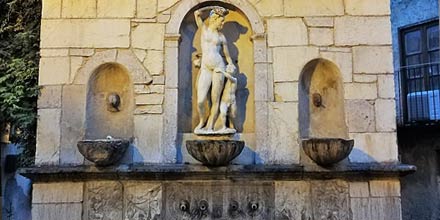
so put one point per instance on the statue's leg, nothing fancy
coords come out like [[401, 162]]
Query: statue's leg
[[203, 85], [232, 112], [223, 113], [216, 92]]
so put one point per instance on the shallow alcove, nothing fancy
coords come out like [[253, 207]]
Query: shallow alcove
[[238, 32], [110, 104], [321, 101]]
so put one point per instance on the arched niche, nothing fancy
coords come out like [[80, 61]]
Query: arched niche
[[102, 118], [238, 32], [321, 101]]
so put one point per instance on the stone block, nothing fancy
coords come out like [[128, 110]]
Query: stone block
[[51, 9], [262, 82], [54, 71], [283, 134], [50, 97], [287, 69], [163, 18], [48, 137], [169, 133], [373, 59], [361, 208], [163, 5], [146, 9], [321, 36], [148, 36], [385, 115], [103, 199], [386, 208], [360, 115], [149, 99], [71, 211], [116, 9], [374, 147], [82, 75], [79, 9], [140, 54], [142, 200], [360, 91], [61, 192], [54, 52], [286, 32], [138, 72], [160, 89], [72, 123], [359, 190], [96, 33], [154, 62], [385, 86], [75, 64], [330, 199], [159, 80], [300, 8], [148, 109], [385, 188], [319, 21], [148, 133], [292, 199], [286, 92], [353, 31], [81, 52], [171, 69], [268, 8], [343, 61], [371, 7], [364, 78]]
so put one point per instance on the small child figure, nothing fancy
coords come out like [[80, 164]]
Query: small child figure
[[228, 105]]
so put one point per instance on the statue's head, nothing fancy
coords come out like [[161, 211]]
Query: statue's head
[[217, 17]]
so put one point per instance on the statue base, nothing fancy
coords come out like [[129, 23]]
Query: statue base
[[225, 131]]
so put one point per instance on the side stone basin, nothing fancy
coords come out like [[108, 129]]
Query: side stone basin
[[103, 152], [327, 151], [214, 152]]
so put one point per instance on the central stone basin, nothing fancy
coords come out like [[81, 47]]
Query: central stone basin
[[214, 152]]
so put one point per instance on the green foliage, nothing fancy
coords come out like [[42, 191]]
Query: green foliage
[[19, 57]]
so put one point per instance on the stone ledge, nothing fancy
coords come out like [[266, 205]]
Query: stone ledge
[[199, 172]]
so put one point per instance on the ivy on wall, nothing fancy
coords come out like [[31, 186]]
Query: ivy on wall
[[19, 57]]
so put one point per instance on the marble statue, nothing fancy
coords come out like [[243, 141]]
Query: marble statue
[[214, 70]]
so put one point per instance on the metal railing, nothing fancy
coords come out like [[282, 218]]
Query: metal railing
[[418, 94]]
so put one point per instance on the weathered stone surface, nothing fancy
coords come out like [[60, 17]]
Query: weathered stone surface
[[51, 9], [286, 32], [75, 64], [48, 137], [268, 8], [163, 18], [54, 71], [71, 211], [85, 33], [352, 31], [283, 134], [366, 91], [372, 59], [79, 9], [385, 208], [83, 74], [148, 36], [330, 199], [360, 116], [61, 192], [142, 200], [163, 5], [301, 8], [286, 92], [287, 69], [146, 9], [292, 200], [385, 86], [50, 97], [171, 69], [159, 80], [149, 99], [361, 208], [116, 9], [54, 52], [72, 123], [147, 138], [319, 21], [81, 52], [385, 115], [372, 7], [321, 36], [148, 109], [343, 61], [359, 190], [374, 147], [154, 62], [364, 78], [385, 188], [157, 89], [140, 54], [135, 68], [103, 200]]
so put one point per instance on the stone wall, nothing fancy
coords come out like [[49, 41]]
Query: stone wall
[[76, 37]]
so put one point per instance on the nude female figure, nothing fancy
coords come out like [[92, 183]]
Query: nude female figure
[[212, 42]]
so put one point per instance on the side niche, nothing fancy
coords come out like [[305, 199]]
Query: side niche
[[110, 103]]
